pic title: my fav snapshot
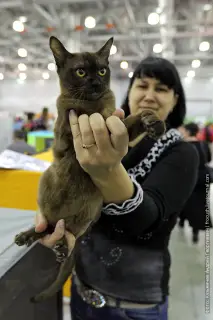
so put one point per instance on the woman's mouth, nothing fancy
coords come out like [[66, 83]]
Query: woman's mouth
[[148, 108]]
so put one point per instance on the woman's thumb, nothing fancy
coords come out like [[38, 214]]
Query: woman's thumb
[[40, 222], [119, 113]]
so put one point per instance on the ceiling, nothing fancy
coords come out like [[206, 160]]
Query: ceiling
[[183, 25]]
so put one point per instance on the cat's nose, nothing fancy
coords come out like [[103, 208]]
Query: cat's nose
[[95, 83]]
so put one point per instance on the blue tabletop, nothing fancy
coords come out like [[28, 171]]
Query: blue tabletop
[[42, 133]]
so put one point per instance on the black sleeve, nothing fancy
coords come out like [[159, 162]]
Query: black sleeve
[[164, 192]]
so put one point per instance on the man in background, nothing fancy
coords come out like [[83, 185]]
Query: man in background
[[19, 144]]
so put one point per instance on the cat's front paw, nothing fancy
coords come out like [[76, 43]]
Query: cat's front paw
[[23, 238], [152, 124]]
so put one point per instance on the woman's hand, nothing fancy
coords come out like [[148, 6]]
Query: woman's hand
[[99, 145], [49, 241]]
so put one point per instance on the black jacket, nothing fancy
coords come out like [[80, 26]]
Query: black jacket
[[125, 255]]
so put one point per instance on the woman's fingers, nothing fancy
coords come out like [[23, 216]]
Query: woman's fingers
[[119, 113], [86, 130], [119, 134], [40, 222], [75, 128], [50, 240], [100, 131], [70, 240]]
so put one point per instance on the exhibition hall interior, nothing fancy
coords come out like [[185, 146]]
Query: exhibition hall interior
[[160, 62]]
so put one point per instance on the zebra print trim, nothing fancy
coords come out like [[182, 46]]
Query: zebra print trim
[[128, 205]]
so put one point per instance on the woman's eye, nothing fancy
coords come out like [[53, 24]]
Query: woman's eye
[[102, 72], [161, 89], [80, 73]]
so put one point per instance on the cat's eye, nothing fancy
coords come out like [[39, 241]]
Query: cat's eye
[[102, 72], [80, 73]]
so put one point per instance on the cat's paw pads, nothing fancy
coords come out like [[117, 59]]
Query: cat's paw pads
[[22, 239]]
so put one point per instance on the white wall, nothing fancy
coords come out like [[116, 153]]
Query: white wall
[[199, 96], [33, 95], [6, 130]]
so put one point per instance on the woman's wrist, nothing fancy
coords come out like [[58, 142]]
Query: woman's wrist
[[115, 184], [102, 176]]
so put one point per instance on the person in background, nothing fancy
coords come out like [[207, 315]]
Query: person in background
[[122, 268], [208, 133], [43, 122], [20, 145], [195, 209], [29, 125], [182, 131]]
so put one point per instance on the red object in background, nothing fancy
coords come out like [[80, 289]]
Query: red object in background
[[79, 28], [202, 134], [110, 26], [50, 29]]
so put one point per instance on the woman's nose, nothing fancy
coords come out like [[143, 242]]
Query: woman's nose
[[149, 95]]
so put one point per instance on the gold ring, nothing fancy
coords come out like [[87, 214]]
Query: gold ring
[[87, 146]]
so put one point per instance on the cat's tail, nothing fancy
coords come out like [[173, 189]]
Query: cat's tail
[[64, 273]]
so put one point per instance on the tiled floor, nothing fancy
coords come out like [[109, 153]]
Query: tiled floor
[[187, 299]]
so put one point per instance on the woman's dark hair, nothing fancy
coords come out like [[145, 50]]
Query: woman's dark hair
[[192, 128], [165, 72]]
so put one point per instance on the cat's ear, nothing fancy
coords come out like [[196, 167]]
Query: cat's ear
[[105, 50], [58, 50]]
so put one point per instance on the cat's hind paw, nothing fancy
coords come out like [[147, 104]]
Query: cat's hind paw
[[23, 238]]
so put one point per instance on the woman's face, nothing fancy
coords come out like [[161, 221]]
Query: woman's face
[[151, 94]]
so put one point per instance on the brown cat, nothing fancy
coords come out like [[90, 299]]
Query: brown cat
[[66, 191]]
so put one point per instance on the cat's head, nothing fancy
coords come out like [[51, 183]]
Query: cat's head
[[83, 76]]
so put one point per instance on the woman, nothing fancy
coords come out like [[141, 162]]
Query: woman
[[122, 269], [195, 209]]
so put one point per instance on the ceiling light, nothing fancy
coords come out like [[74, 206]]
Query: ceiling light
[[90, 22], [159, 10], [207, 7], [124, 64], [1, 76], [22, 67], [153, 18], [191, 74], [18, 26], [23, 19], [204, 46], [196, 63], [130, 74], [45, 75], [113, 49], [51, 66], [22, 52], [22, 76], [157, 48]]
